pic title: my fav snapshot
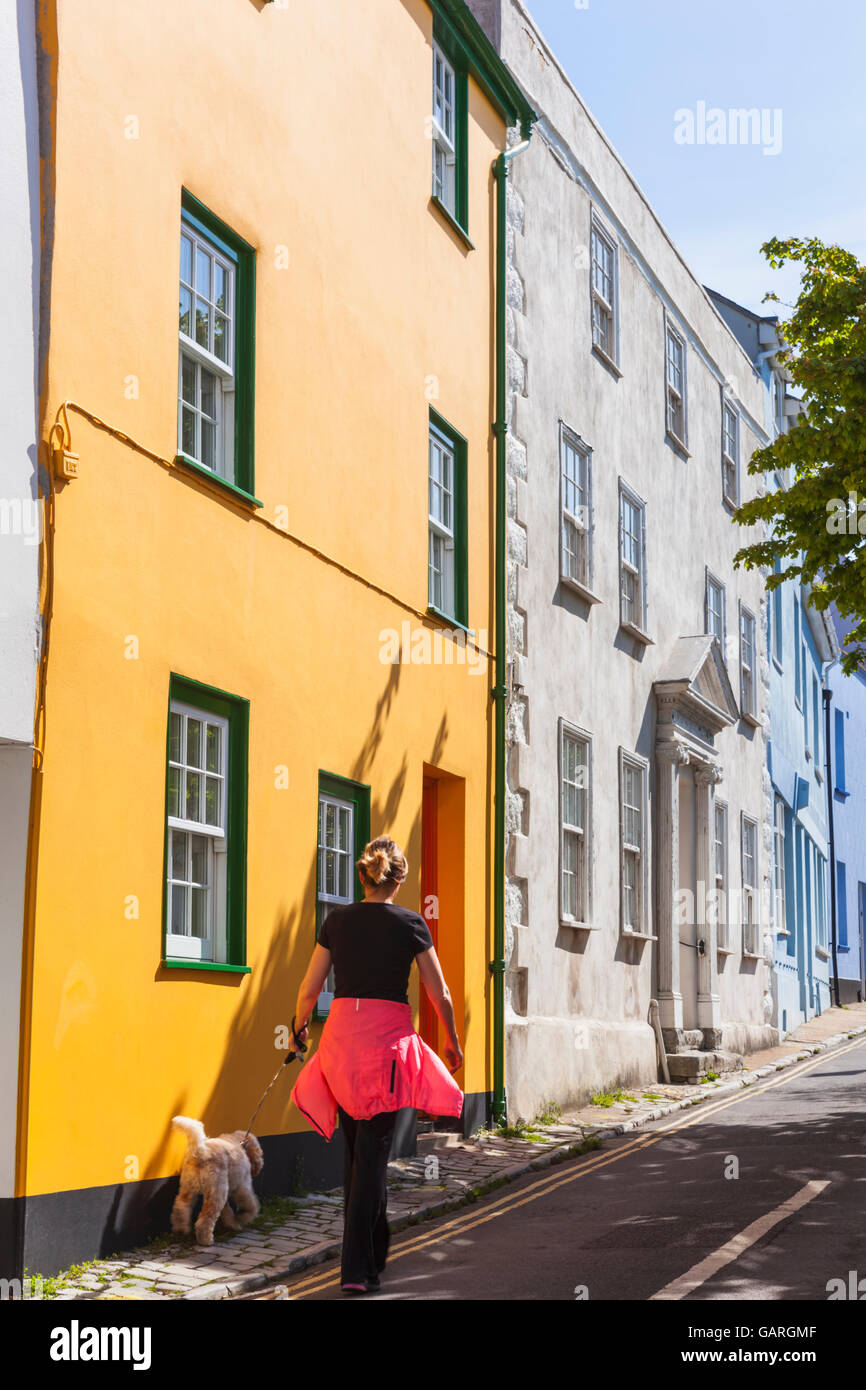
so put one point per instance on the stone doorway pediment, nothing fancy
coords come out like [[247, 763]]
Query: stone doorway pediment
[[695, 699]]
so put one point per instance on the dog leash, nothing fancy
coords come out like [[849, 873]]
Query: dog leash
[[290, 1057]]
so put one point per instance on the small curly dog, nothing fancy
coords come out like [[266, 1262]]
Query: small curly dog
[[219, 1169]]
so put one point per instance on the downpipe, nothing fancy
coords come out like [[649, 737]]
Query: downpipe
[[499, 691]]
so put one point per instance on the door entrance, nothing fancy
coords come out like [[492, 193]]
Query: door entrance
[[688, 935], [429, 1021]]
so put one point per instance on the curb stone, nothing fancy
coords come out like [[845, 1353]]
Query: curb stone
[[317, 1254]]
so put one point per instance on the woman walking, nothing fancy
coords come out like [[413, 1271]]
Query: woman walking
[[370, 1061]]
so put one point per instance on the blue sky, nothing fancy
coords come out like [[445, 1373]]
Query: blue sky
[[637, 62]]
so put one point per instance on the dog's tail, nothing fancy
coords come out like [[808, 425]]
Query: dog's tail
[[194, 1131]]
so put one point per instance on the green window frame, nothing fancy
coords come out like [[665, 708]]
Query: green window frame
[[445, 39], [239, 477], [336, 789], [233, 714], [443, 435]]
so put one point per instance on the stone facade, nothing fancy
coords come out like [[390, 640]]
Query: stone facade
[[624, 707]]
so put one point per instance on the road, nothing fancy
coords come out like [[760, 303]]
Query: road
[[760, 1195]]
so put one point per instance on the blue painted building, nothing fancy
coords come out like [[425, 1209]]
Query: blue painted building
[[848, 766], [801, 642]]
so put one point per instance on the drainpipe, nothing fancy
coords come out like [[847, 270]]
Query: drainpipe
[[827, 696], [500, 689]]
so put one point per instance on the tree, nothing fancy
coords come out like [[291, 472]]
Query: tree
[[817, 525]]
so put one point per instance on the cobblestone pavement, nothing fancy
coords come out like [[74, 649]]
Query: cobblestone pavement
[[447, 1172]]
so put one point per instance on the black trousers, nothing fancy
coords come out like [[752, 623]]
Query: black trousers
[[365, 1195]]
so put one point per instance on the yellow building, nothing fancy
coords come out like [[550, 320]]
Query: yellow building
[[269, 580]]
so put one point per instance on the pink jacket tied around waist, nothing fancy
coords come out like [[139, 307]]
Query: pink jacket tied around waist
[[370, 1059]]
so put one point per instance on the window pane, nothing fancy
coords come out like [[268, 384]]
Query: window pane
[[178, 911], [220, 298], [178, 854], [184, 312], [202, 323], [213, 748], [213, 788], [186, 260], [188, 380], [193, 796], [570, 850], [437, 565], [188, 433], [175, 734], [199, 913], [193, 742], [199, 846], [629, 614], [208, 444], [629, 886], [221, 338], [174, 776], [202, 272], [330, 872]]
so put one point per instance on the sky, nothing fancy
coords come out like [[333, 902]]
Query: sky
[[640, 65]]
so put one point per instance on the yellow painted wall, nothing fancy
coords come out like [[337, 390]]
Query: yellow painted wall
[[303, 128]]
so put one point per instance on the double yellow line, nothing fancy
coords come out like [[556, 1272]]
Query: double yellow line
[[467, 1221]]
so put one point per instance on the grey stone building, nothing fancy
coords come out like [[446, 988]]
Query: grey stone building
[[639, 808]]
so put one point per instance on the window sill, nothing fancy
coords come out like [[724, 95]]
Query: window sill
[[753, 955], [783, 933], [729, 503], [581, 589], [725, 951], [222, 484], [677, 444], [638, 634], [749, 718], [819, 776], [450, 619], [777, 663], [172, 964], [822, 954], [840, 950], [841, 793], [608, 361], [451, 220], [579, 926], [638, 936]]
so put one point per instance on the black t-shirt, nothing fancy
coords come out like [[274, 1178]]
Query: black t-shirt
[[372, 948]]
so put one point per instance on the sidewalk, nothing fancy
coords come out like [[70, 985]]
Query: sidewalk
[[448, 1172]]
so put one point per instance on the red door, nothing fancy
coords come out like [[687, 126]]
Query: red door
[[429, 1028]]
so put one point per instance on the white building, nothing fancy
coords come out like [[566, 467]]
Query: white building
[[637, 783], [20, 533]]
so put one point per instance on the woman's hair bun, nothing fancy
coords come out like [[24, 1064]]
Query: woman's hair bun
[[383, 861]]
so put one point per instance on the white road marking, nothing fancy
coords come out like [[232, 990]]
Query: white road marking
[[700, 1273]]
